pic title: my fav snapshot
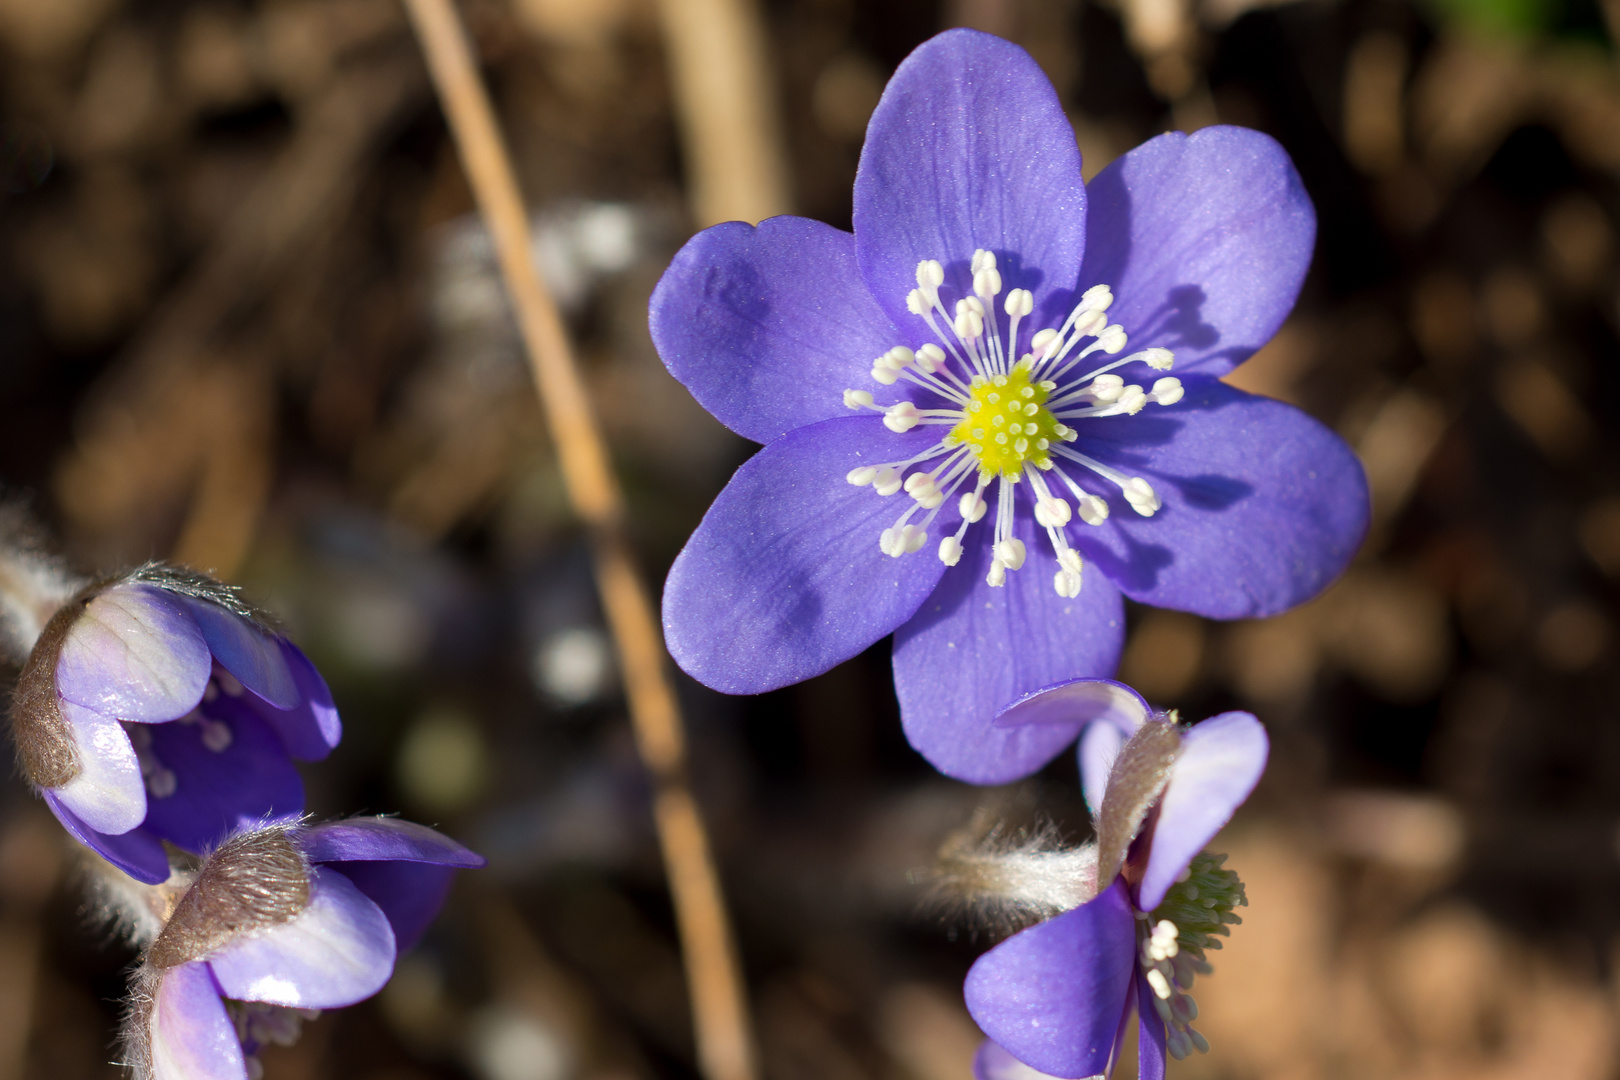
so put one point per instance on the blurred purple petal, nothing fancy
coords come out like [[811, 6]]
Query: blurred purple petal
[[992, 1062], [1054, 995], [108, 795], [137, 853], [1220, 763], [410, 894], [1263, 506], [1099, 746], [337, 951], [374, 838], [768, 326], [784, 577], [192, 1035], [1205, 240], [135, 653], [971, 650], [969, 148], [230, 772], [247, 652], [1150, 1053]]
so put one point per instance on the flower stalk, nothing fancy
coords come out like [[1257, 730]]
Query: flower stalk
[[720, 1013]]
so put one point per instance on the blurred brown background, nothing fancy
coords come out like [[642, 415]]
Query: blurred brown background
[[246, 320]]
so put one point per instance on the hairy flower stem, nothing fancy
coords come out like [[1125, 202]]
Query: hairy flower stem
[[33, 583]]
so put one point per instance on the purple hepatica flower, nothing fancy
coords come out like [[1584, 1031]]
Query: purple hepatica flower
[[996, 292], [280, 922], [1056, 998], [158, 707]]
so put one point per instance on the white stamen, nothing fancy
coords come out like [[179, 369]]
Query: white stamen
[[217, 736], [997, 577], [1010, 552], [1160, 985], [1167, 391], [931, 358], [857, 399], [1092, 510], [950, 551], [161, 782], [887, 481], [1051, 513], [1158, 359], [973, 507], [1140, 494], [1112, 339], [903, 417], [862, 475]]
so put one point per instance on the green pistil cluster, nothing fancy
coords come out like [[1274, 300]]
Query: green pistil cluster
[[1202, 903], [1007, 423]]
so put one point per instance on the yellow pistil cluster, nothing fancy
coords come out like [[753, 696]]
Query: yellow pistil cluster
[[1007, 424]]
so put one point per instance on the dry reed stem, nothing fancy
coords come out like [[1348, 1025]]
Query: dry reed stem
[[726, 105], [720, 1014]]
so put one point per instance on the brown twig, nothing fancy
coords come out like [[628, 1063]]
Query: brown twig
[[720, 1013]]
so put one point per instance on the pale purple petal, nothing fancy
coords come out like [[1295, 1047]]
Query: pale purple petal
[[1054, 995], [369, 839], [1205, 240], [230, 772], [192, 1035], [969, 148], [992, 1062], [337, 951], [784, 578], [311, 729], [137, 852], [1079, 701], [768, 326], [410, 894], [247, 652], [135, 653], [108, 795], [1099, 746], [1220, 763], [1263, 506], [972, 650], [1150, 1051]]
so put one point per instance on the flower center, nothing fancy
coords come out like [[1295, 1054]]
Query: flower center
[[1171, 941], [1007, 423], [1008, 418]]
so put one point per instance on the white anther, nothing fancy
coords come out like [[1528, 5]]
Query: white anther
[[857, 399], [883, 373], [1158, 359], [1092, 510], [1184, 1008], [917, 303], [1140, 494], [997, 577], [1132, 399], [901, 417], [1089, 323], [1051, 513], [969, 324], [1106, 387], [1042, 340], [862, 475], [1161, 985], [917, 480], [887, 481], [1199, 1041], [1011, 552], [1019, 302], [1112, 339], [930, 274], [1097, 298], [950, 551], [900, 357], [1065, 432], [1168, 391], [930, 358], [912, 538], [217, 736], [161, 782], [987, 283], [1066, 584], [888, 543], [972, 506], [982, 260]]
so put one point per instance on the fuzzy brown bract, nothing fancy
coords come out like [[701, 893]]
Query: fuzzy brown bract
[[1137, 779], [253, 881], [45, 747]]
